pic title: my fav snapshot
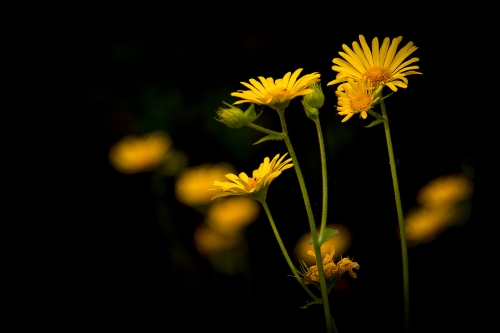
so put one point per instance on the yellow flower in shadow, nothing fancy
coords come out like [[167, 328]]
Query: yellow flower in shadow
[[382, 66], [193, 184], [443, 203], [356, 97], [423, 225], [134, 154], [226, 253], [256, 186], [276, 94], [332, 270], [341, 242], [209, 241], [230, 216], [446, 191]]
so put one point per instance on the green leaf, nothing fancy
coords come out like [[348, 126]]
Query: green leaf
[[277, 137], [329, 233], [375, 122], [386, 96]]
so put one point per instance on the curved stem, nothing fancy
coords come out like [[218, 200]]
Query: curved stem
[[399, 209], [285, 253], [262, 129], [325, 180], [314, 233]]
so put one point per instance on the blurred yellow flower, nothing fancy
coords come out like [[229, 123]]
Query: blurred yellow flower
[[134, 153], [331, 269], [276, 94], [231, 215], [341, 242], [444, 203], [209, 241], [424, 225], [255, 187], [446, 191], [382, 66], [193, 184], [356, 97]]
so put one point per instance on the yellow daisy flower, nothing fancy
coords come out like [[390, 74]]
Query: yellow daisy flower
[[256, 186], [382, 66], [356, 97], [276, 94]]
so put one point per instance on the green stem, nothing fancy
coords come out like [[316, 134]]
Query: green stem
[[334, 326], [399, 208], [314, 233], [325, 180], [285, 253], [262, 129]]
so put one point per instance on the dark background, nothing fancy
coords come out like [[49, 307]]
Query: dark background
[[171, 72]]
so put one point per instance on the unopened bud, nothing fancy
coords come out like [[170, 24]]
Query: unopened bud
[[316, 99], [234, 117]]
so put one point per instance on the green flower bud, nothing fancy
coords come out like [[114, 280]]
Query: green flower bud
[[313, 101], [310, 111], [316, 99], [234, 117], [250, 114]]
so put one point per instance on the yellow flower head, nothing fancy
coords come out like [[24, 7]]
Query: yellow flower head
[[331, 269], [423, 225], [341, 242], [382, 66], [276, 94], [356, 97], [256, 186], [444, 203], [446, 191], [232, 215], [209, 241], [134, 153], [193, 184]]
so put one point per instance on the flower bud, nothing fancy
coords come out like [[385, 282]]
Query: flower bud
[[234, 117], [316, 99], [313, 101], [250, 114], [310, 111]]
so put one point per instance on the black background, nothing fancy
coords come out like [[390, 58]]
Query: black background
[[171, 70]]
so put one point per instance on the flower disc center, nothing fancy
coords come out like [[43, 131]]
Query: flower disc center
[[280, 94], [252, 182], [377, 75], [360, 102]]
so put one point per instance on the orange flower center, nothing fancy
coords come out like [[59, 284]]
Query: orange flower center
[[360, 102], [252, 182], [378, 75], [281, 93]]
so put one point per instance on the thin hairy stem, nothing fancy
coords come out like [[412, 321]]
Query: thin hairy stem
[[285, 253], [314, 234], [325, 180], [401, 221]]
